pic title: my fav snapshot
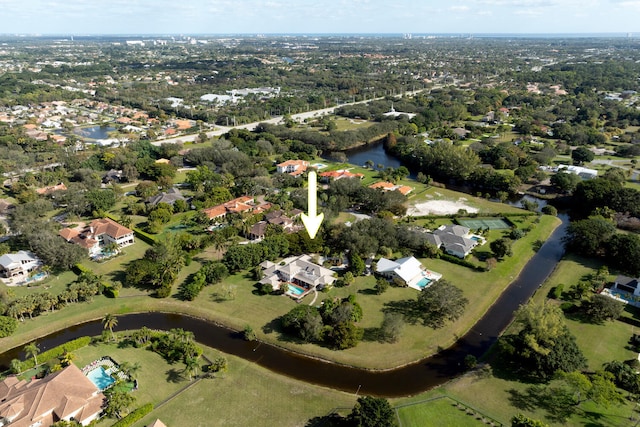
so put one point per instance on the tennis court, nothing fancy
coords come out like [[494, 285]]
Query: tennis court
[[492, 223]]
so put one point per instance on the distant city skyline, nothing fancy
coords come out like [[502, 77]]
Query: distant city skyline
[[91, 17]]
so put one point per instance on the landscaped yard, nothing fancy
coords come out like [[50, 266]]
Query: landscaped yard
[[243, 396], [441, 411]]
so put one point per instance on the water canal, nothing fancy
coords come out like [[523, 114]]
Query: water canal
[[404, 381]]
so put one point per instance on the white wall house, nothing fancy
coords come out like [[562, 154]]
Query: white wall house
[[16, 264]]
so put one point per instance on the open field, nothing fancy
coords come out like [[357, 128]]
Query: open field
[[441, 201]]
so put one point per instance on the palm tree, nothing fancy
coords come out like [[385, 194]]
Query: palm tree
[[32, 350], [191, 367], [109, 321], [130, 369], [67, 358]]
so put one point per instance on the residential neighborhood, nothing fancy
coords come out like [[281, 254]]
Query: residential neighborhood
[[156, 249]]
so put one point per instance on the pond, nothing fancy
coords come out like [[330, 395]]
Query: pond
[[403, 381], [94, 132], [374, 152]]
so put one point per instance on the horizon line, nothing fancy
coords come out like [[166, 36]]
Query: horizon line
[[459, 33]]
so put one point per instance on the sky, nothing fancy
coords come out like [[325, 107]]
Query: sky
[[318, 16]]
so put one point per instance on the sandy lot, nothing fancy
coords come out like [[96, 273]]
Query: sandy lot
[[439, 207]]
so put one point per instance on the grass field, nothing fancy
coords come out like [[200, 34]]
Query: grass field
[[441, 412]]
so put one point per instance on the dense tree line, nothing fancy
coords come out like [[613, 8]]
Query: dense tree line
[[333, 324]]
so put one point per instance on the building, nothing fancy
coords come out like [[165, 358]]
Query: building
[[276, 217], [408, 270], [98, 234], [584, 173], [17, 264], [454, 239], [50, 189], [389, 186], [237, 205], [293, 167], [626, 284], [169, 197], [64, 395], [339, 174], [299, 271]]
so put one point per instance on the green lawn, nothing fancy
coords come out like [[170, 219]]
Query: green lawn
[[248, 308], [441, 412], [154, 376]]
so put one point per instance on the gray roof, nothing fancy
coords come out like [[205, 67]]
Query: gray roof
[[168, 197], [21, 257]]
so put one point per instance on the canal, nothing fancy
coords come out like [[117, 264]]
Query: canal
[[403, 381]]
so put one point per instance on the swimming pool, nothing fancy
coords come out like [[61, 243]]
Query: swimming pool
[[100, 378], [36, 277], [295, 291], [423, 283]]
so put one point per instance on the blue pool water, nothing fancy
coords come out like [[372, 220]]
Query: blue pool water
[[100, 378], [294, 290], [36, 277], [423, 282], [477, 239]]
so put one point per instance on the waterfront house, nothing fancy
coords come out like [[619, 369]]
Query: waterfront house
[[407, 270], [60, 396], [297, 270], [453, 239]]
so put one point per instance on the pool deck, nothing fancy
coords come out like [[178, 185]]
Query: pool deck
[[21, 280]]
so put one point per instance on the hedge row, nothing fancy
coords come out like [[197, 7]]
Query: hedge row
[[134, 416], [57, 351], [462, 262], [144, 236]]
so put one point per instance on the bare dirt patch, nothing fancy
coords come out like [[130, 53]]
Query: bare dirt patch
[[439, 207]]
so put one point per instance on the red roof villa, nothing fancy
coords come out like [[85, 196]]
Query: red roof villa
[[63, 395], [99, 233]]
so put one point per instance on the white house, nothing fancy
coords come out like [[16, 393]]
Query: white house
[[584, 173], [409, 270], [298, 270], [292, 167], [20, 263]]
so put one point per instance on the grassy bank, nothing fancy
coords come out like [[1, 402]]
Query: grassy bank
[[249, 308]]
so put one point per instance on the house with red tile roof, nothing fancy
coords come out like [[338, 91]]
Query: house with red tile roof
[[237, 205], [98, 234], [63, 395], [293, 167], [339, 174], [388, 186], [50, 189]]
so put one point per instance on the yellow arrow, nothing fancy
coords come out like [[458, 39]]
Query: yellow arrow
[[313, 220]]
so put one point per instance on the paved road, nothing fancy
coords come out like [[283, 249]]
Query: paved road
[[300, 117]]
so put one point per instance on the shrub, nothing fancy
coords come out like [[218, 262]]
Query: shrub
[[556, 292], [134, 416], [8, 326], [58, 351], [550, 210]]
